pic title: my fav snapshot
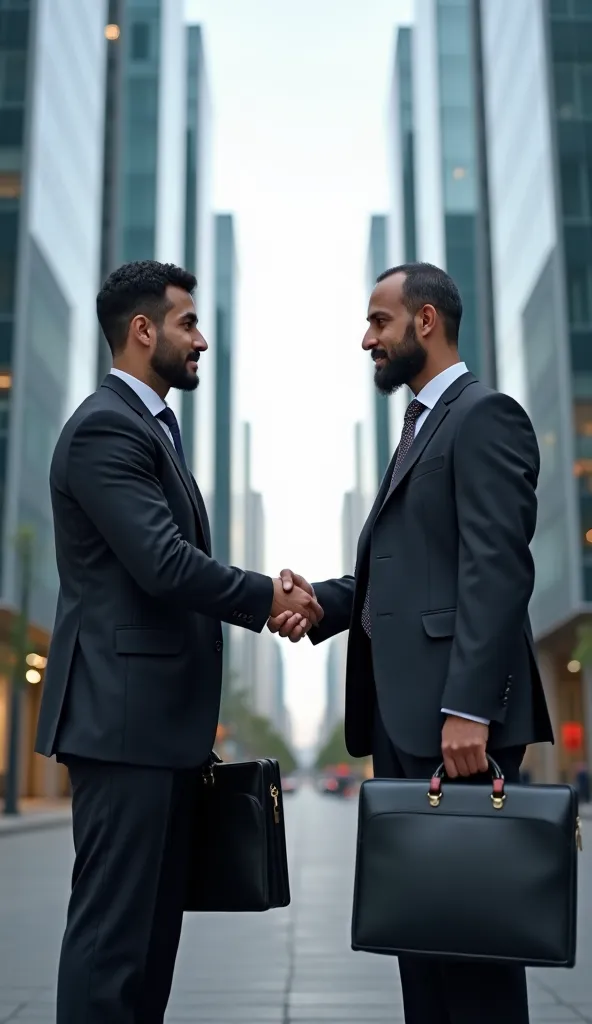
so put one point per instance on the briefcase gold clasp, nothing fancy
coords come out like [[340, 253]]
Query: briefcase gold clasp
[[435, 791], [498, 797], [274, 796]]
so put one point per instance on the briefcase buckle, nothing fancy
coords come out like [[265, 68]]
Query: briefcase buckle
[[435, 791], [498, 797]]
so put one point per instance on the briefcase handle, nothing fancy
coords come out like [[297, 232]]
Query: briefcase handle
[[498, 797]]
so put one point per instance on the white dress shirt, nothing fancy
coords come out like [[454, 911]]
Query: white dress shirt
[[153, 402], [430, 396]]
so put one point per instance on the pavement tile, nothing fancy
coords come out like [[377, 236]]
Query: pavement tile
[[235, 969]]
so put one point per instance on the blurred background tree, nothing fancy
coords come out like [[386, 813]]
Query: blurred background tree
[[244, 735], [335, 753], [583, 649]]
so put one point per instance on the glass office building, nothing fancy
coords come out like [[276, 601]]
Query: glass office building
[[449, 163], [156, 184], [538, 91], [226, 296], [377, 263], [52, 67], [403, 240]]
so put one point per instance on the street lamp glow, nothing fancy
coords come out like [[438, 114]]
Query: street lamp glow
[[36, 661], [112, 32], [33, 676], [573, 666]]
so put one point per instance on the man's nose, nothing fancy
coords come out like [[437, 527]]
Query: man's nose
[[369, 341], [201, 343]]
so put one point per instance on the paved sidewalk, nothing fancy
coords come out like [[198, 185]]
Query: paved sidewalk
[[36, 814], [287, 967]]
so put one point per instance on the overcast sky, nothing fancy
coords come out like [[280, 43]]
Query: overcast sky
[[300, 99]]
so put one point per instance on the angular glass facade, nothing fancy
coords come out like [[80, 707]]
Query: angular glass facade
[[377, 263], [405, 141], [532, 338], [130, 162], [50, 140], [140, 129], [459, 165], [450, 165], [570, 52], [193, 213], [226, 273], [16, 27]]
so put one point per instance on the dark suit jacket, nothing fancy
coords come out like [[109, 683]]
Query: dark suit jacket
[[451, 576], [135, 664]]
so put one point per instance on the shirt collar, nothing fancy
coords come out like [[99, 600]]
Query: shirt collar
[[431, 394], [151, 400]]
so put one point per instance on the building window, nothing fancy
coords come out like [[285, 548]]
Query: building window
[[13, 77], [140, 37], [572, 192]]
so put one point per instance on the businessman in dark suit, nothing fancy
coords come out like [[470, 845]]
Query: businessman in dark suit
[[440, 661], [132, 687]]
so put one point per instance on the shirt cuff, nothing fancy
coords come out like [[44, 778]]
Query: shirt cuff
[[471, 718]]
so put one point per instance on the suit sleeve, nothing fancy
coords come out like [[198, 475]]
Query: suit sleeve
[[336, 598], [112, 475], [496, 464]]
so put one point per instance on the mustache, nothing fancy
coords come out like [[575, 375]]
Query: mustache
[[379, 353]]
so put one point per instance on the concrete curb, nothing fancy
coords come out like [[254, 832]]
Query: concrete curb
[[34, 822]]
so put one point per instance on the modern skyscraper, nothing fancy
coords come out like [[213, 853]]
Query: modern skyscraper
[[356, 505], [225, 340], [256, 661], [197, 410], [378, 261], [450, 164], [403, 232], [52, 69], [538, 100], [156, 153]]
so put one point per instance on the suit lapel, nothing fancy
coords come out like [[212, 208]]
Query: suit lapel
[[435, 418], [132, 399], [433, 421]]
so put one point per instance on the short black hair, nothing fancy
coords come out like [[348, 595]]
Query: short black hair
[[424, 285], [137, 288]]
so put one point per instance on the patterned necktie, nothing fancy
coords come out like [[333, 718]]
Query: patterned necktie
[[412, 414], [168, 417]]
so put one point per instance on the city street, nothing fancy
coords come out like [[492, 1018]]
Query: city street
[[286, 967]]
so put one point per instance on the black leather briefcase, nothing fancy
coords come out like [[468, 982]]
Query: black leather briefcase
[[467, 872], [239, 860]]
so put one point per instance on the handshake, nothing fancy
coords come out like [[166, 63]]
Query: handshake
[[295, 608]]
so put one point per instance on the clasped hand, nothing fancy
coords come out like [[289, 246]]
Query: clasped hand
[[295, 607]]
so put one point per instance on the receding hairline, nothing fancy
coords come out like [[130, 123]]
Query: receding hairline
[[385, 282]]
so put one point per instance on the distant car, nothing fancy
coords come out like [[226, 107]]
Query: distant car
[[338, 785], [289, 784]]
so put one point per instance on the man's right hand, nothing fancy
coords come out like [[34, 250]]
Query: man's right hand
[[295, 608]]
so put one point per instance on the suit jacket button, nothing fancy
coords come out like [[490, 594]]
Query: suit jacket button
[[218, 645], [249, 618], [505, 702]]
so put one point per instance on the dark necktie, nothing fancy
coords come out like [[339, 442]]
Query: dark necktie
[[412, 414], [168, 417]]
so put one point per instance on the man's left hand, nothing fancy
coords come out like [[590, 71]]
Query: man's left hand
[[464, 743]]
